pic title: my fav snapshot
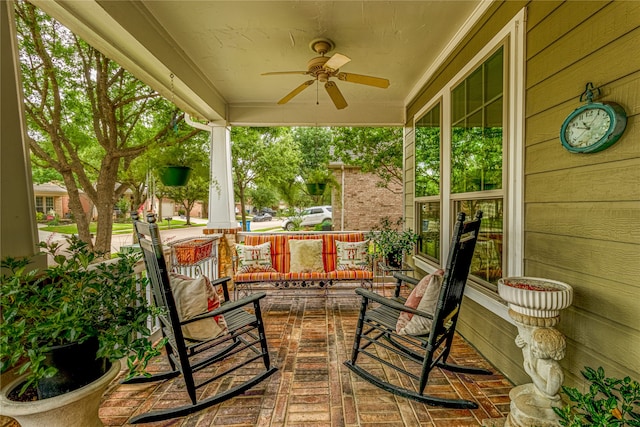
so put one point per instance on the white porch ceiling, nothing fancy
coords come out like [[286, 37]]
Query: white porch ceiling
[[218, 49]]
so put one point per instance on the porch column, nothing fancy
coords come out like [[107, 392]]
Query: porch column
[[222, 217], [19, 232], [221, 201]]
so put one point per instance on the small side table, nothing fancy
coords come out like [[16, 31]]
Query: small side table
[[384, 270]]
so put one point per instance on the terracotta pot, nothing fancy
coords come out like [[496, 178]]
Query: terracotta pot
[[78, 408]]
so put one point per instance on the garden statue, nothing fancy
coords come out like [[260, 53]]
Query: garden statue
[[534, 305]]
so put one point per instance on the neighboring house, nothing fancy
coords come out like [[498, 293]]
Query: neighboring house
[[54, 197], [51, 197], [359, 203], [549, 213]]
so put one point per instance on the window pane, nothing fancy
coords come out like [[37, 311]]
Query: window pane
[[457, 103], [476, 140], [493, 80], [429, 230], [39, 204], [474, 91], [487, 258], [427, 171], [49, 204]]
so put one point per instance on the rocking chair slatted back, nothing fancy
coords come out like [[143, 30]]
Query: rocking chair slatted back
[[376, 329], [243, 342]]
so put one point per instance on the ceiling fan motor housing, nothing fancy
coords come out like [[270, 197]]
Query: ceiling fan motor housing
[[315, 68]]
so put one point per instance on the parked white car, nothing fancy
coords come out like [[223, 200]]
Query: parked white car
[[310, 216]]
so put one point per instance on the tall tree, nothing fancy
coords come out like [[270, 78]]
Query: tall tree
[[87, 117], [315, 147], [376, 150], [261, 155]]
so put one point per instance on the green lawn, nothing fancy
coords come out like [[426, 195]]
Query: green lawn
[[118, 228]]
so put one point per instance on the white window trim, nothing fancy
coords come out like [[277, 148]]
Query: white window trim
[[514, 156]]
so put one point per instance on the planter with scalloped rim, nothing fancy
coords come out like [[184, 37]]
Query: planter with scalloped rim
[[78, 408]]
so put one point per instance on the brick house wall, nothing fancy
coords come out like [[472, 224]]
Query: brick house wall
[[363, 203]]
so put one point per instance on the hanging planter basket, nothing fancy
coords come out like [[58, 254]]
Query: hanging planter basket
[[316, 188], [175, 176]]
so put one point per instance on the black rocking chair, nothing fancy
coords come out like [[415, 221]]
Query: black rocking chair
[[245, 334], [376, 328]]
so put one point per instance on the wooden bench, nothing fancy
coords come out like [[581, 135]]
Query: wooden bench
[[280, 275]]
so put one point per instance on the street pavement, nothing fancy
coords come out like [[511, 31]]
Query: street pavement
[[168, 235]]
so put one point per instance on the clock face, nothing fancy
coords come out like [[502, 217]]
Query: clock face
[[587, 128], [593, 127]]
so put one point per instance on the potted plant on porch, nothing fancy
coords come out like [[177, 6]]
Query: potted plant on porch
[[391, 242], [316, 181], [175, 163], [65, 328]]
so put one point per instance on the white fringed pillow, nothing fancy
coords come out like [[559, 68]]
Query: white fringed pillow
[[254, 259], [352, 255]]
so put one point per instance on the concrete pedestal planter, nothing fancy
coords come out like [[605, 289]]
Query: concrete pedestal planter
[[78, 408], [535, 304]]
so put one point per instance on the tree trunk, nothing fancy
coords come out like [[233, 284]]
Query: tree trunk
[[75, 204], [242, 210]]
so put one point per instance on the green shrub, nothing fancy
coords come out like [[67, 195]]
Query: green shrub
[[608, 402]]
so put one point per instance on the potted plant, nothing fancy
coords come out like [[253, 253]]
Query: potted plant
[[79, 311], [606, 402], [316, 181], [175, 165], [391, 242]]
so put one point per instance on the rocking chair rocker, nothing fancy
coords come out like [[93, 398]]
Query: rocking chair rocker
[[376, 328], [244, 338]]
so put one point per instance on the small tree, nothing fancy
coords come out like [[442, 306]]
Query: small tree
[[261, 156], [375, 150], [197, 189]]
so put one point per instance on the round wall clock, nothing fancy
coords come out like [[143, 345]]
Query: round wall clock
[[593, 127]]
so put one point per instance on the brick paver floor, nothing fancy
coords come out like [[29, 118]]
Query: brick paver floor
[[310, 334]]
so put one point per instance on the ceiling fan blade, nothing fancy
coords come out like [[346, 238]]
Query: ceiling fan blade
[[273, 73], [336, 61], [364, 80], [296, 91], [335, 95]]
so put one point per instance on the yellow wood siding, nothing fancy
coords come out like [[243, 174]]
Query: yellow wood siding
[[581, 211]]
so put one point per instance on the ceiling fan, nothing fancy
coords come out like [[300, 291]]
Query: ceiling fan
[[322, 68]]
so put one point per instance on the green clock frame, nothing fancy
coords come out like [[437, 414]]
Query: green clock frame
[[618, 123]]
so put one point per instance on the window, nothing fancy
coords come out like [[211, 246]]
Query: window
[[468, 157], [476, 159], [49, 204], [427, 191], [44, 204]]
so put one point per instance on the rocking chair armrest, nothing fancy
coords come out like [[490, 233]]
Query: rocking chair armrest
[[391, 303], [223, 281], [404, 278], [227, 307]]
